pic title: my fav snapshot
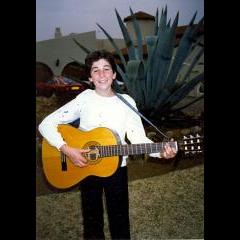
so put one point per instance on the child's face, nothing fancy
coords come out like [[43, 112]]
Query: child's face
[[102, 75]]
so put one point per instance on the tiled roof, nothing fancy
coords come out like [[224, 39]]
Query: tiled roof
[[141, 16]]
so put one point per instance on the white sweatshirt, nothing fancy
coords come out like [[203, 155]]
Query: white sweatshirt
[[96, 111]]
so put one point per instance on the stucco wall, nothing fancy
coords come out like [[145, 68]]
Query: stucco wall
[[63, 48], [105, 44]]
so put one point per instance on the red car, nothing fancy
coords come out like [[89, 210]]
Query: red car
[[61, 87]]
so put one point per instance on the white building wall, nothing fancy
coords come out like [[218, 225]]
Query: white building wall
[[63, 48], [105, 44]]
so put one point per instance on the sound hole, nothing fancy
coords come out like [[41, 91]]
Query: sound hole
[[93, 156]]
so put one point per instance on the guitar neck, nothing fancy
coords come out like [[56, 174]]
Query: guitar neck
[[133, 149]]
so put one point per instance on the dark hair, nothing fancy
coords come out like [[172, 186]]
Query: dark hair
[[97, 55]]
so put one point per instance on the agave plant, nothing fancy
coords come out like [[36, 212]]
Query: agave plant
[[154, 82]]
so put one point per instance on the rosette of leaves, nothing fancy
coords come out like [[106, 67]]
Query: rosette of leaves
[[154, 82]]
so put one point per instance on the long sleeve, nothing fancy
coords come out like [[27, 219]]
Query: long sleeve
[[48, 127]]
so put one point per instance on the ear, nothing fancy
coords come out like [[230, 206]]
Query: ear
[[90, 79], [114, 76]]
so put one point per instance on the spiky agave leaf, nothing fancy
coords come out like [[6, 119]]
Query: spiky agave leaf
[[196, 28], [125, 80], [186, 87], [193, 63], [163, 100], [162, 22], [155, 106], [117, 87], [156, 23], [181, 54], [127, 38], [175, 109], [169, 23], [165, 93], [164, 52], [138, 36], [151, 42], [168, 49], [135, 74], [86, 50], [183, 90], [114, 46]]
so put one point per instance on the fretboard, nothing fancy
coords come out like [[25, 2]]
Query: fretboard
[[133, 149]]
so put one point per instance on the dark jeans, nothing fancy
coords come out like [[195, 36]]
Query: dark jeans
[[115, 188]]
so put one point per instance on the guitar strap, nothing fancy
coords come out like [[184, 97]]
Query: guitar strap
[[140, 114], [148, 121]]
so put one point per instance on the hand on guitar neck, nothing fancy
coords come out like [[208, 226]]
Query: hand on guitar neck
[[168, 151], [75, 155]]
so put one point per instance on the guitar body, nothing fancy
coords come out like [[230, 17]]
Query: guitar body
[[66, 175]]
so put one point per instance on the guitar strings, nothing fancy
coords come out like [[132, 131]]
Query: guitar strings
[[113, 150]]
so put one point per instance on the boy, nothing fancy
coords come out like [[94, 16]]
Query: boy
[[101, 108]]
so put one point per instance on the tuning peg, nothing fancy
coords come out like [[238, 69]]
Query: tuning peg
[[191, 137]]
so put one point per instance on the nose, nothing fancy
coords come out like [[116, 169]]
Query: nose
[[101, 73]]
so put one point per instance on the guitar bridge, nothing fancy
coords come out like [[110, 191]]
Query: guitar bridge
[[63, 162]]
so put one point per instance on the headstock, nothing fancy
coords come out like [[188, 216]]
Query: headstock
[[191, 144]]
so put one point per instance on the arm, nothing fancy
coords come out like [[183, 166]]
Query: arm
[[49, 130], [48, 127]]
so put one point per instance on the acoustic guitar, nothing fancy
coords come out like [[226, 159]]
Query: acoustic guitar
[[104, 156]]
